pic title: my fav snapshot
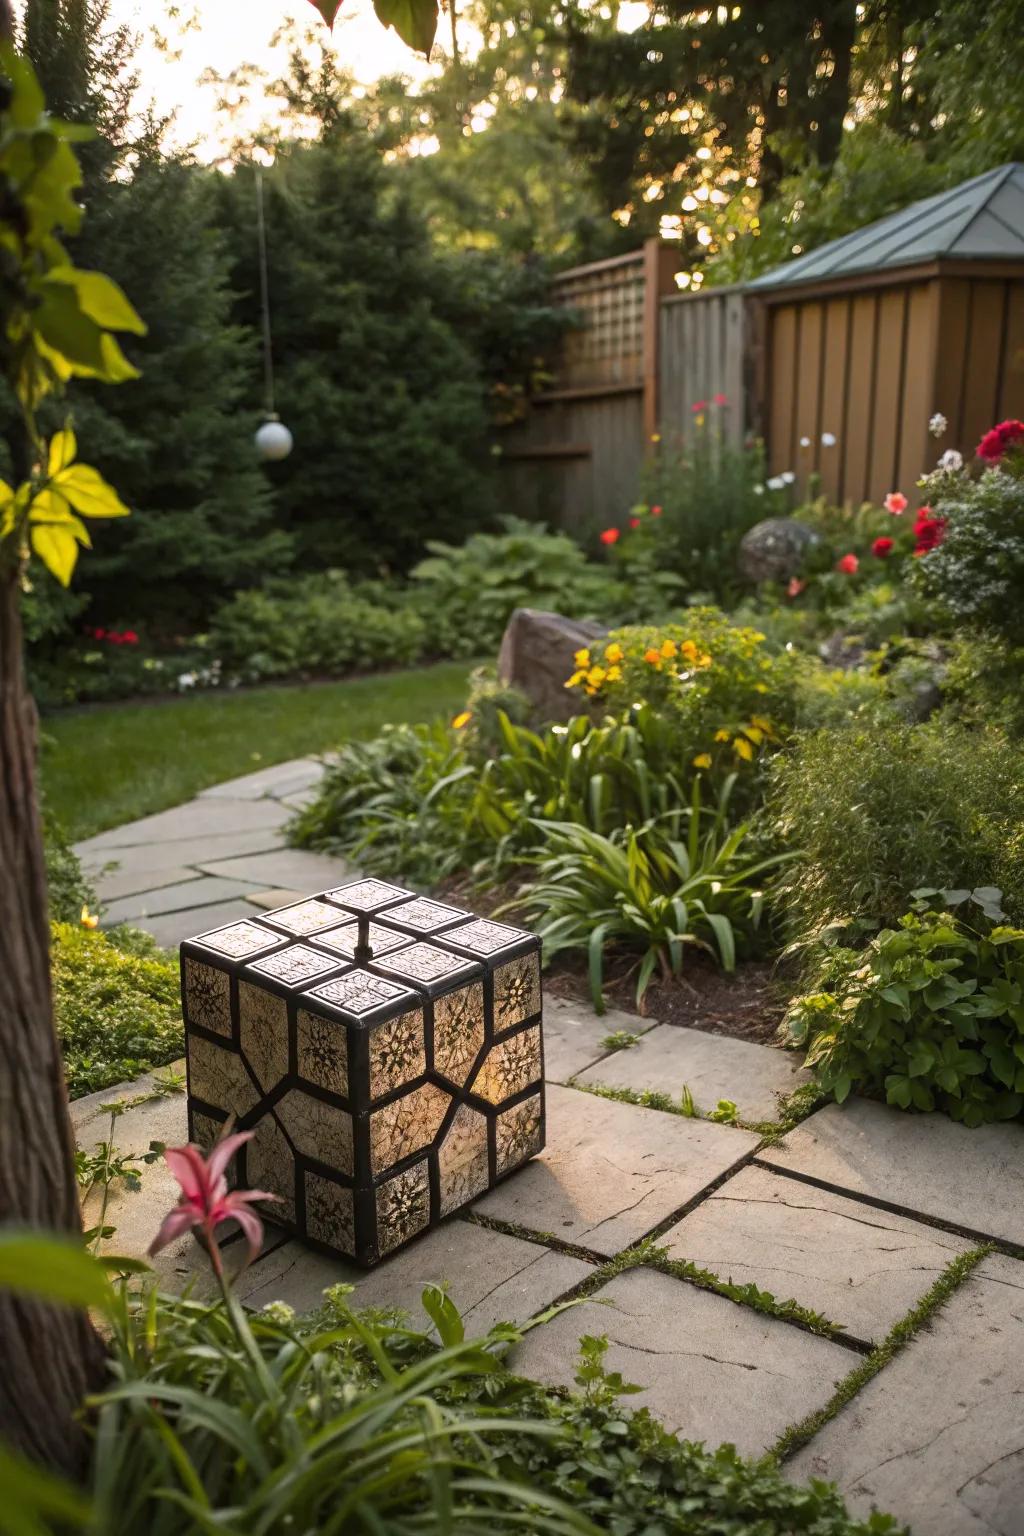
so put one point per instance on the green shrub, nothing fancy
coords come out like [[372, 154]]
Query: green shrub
[[684, 880], [68, 890], [117, 1013], [879, 810], [930, 1014], [983, 681], [317, 626], [466, 593], [977, 573]]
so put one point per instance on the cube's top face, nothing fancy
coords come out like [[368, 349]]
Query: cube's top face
[[342, 941], [488, 941], [422, 916], [368, 895], [291, 968], [361, 998], [303, 919], [239, 941], [429, 968]]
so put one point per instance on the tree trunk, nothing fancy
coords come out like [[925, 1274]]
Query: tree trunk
[[839, 25], [50, 1355]]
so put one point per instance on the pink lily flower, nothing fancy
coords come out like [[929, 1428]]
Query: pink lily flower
[[205, 1200]]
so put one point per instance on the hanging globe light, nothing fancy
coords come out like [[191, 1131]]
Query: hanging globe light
[[273, 440]]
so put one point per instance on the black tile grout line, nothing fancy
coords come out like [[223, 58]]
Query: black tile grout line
[[1000, 1244]]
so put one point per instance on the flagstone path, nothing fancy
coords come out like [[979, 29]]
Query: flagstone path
[[850, 1218]]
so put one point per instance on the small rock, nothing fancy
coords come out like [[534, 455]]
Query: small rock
[[536, 657], [774, 550]]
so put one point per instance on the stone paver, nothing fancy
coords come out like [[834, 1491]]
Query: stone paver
[[863, 1269], [490, 1276], [171, 928], [195, 819], [937, 1438], [189, 894], [924, 1163], [711, 1370], [281, 779], [713, 1067], [148, 860], [611, 1172], [573, 1033], [293, 868]]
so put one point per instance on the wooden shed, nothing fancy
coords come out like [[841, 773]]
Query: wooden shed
[[867, 337]]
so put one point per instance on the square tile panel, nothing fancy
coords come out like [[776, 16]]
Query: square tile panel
[[485, 938], [240, 941], [427, 964], [295, 966], [305, 918], [359, 993], [343, 940], [368, 895], [425, 916]]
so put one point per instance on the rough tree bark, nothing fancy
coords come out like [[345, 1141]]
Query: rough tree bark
[[51, 1356]]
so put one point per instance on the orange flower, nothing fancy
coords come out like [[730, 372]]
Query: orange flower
[[652, 656], [89, 919]]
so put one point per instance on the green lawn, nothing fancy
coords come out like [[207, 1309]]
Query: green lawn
[[112, 763]]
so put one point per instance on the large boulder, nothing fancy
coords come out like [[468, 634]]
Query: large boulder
[[536, 656], [775, 549]]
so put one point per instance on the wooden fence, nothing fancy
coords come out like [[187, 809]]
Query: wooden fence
[[702, 354]]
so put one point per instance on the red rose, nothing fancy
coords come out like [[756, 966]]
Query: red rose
[[849, 565], [996, 442], [698, 405], [610, 536], [796, 586], [881, 548], [130, 637], [655, 511], [720, 399], [634, 522], [929, 531]]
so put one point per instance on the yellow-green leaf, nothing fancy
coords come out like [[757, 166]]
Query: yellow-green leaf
[[56, 548], [101, 299], [63, 451], [49, 506], [89, 493], [415, 21]]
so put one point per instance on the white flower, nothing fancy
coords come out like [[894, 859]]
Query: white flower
[[828, 439], [186, 680], [776, 483], [279, 1312], [787, 477], [938, 424], [805, 442], [951, 461], [758, 490]]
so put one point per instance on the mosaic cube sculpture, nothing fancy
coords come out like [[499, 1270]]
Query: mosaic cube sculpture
[[385, 1050]]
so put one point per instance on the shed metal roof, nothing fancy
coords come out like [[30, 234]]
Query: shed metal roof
[[981, 219]]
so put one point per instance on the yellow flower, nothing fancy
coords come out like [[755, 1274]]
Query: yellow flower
[[463, 719], [596, 676], [89, 919], [760, 687], [743, 749], [614, 674], [722, 735], [582, 658], [575, 680], [699, 419], [614, 652], [763, 724], [669, 649], [755, 735], [702, 760], [653, 656], [655, 437], [688, 651]]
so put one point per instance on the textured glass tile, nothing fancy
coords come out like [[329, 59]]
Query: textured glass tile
[[263, 1033], [462, 1160], [482, 937], [330, 1216], [208, 997], [344, 940], [205, 1131], [516, 991], [403, 1207], [406, 1125], [423, 962], [509, 1067], [367, 895], [517, 1134], [305, 917], [322, 1051], [397, 1053], [426, 916], [269, 1165], [317, 1130], [360, 992], [217, 1075], [294, 966], [458, 1031], [240, 940]]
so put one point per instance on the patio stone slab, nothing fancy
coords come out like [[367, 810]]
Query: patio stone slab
[[490, 1277], [573, 1033], [863, 1269], [266, 901], [713, 1067], [170, 928], [276, 781], [710, 1370], [148, 861], [926, 1163], [611, 1172], [294, 869], [119, 885], [189, 894], [937, 1438], [194, 819]]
